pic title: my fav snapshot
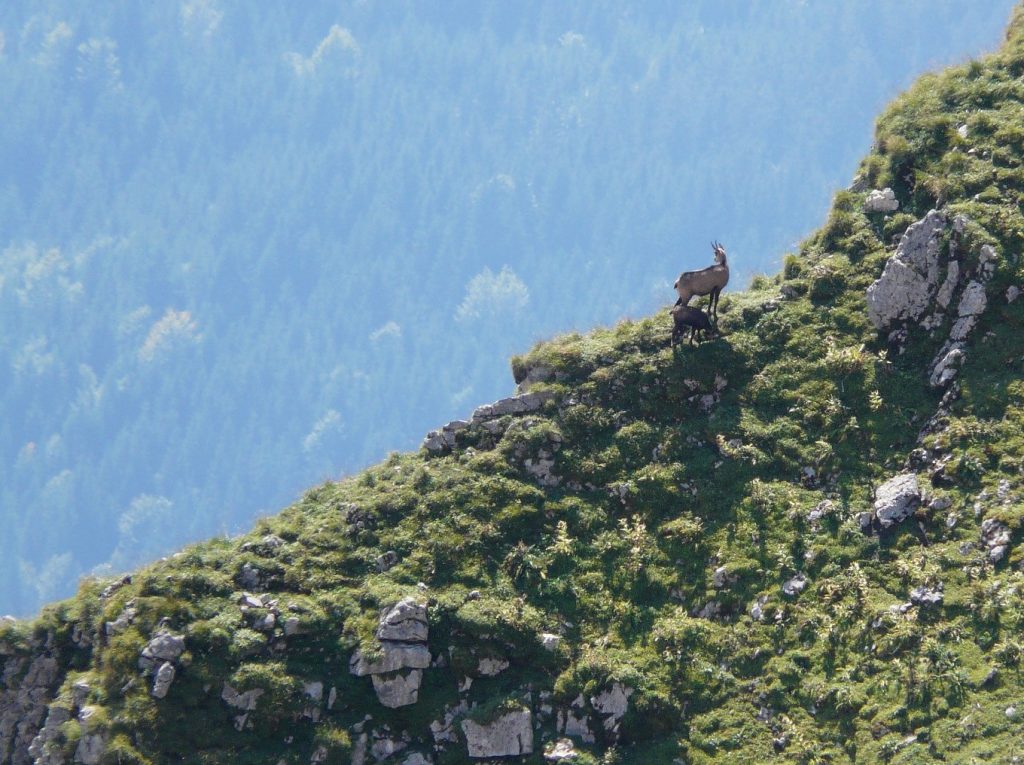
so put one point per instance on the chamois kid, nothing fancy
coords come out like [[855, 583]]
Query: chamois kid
[[684, 316]]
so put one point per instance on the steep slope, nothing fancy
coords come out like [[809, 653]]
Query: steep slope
[[799, 540]]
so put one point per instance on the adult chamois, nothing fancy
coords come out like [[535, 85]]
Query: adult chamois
[[708, 281]]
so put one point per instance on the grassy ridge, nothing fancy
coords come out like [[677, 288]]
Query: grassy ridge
[[687, 481]]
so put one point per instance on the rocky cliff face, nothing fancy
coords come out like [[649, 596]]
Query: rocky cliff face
[[800, 539]]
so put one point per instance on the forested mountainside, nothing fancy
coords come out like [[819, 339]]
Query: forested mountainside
[[798, 541], [242, 252]]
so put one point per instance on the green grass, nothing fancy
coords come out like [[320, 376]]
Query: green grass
[[673, 463]]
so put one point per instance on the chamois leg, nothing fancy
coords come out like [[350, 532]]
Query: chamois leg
[[713, 304]]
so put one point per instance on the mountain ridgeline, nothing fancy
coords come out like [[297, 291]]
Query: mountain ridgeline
[[798, 541]]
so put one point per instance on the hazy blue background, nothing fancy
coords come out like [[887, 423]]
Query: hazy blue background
[[246, 247]]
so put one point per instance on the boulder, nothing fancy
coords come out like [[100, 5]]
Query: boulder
[[163, 647], [550, 641], [246, 701], [488, 667], [926, 596], [910, 280], [397, 689], [563, 749], [163, 679], [393, 657], [406, 621], [794, 586], [883, 201], [510, 735], [896, 499]]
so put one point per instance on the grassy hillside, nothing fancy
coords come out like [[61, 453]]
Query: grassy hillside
[[667, 555]]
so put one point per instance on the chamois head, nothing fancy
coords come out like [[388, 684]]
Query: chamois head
[[719, 251]]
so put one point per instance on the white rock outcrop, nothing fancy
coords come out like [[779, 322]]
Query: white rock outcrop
[[397, 669], [910, 281], [510, 735]]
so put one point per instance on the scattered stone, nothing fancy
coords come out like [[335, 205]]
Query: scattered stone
[[995, 536], [940, 503], [293, 626], [246, 701], [1010, 712], [926, 596], [123, 621], [113, 587], [721, 578], [561, 750], [821, 510], [897, 499], [962, 131], [510, 735], [488, 667], [332, 698], [387, 561], [417, 758], [757, 609], [1012, 293], [163, 647], [550, 641], [794, 586], [163, 679], [883, 201]]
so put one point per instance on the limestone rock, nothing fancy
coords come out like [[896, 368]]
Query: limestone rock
[[550, 641], [995, 536], [510, 735], [393, 657], [163, 679], [488, 667], [795, 585], [910, 280], [405, 621], [387, 561], [896, 499], [26, 687], [246, 701], [611, 706], [1012, 293], [442, 440], [946, 366], [523, 404], [926, 596], [397, 689], [883, 201], [163, 647], [563, 749], [91, 748]]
